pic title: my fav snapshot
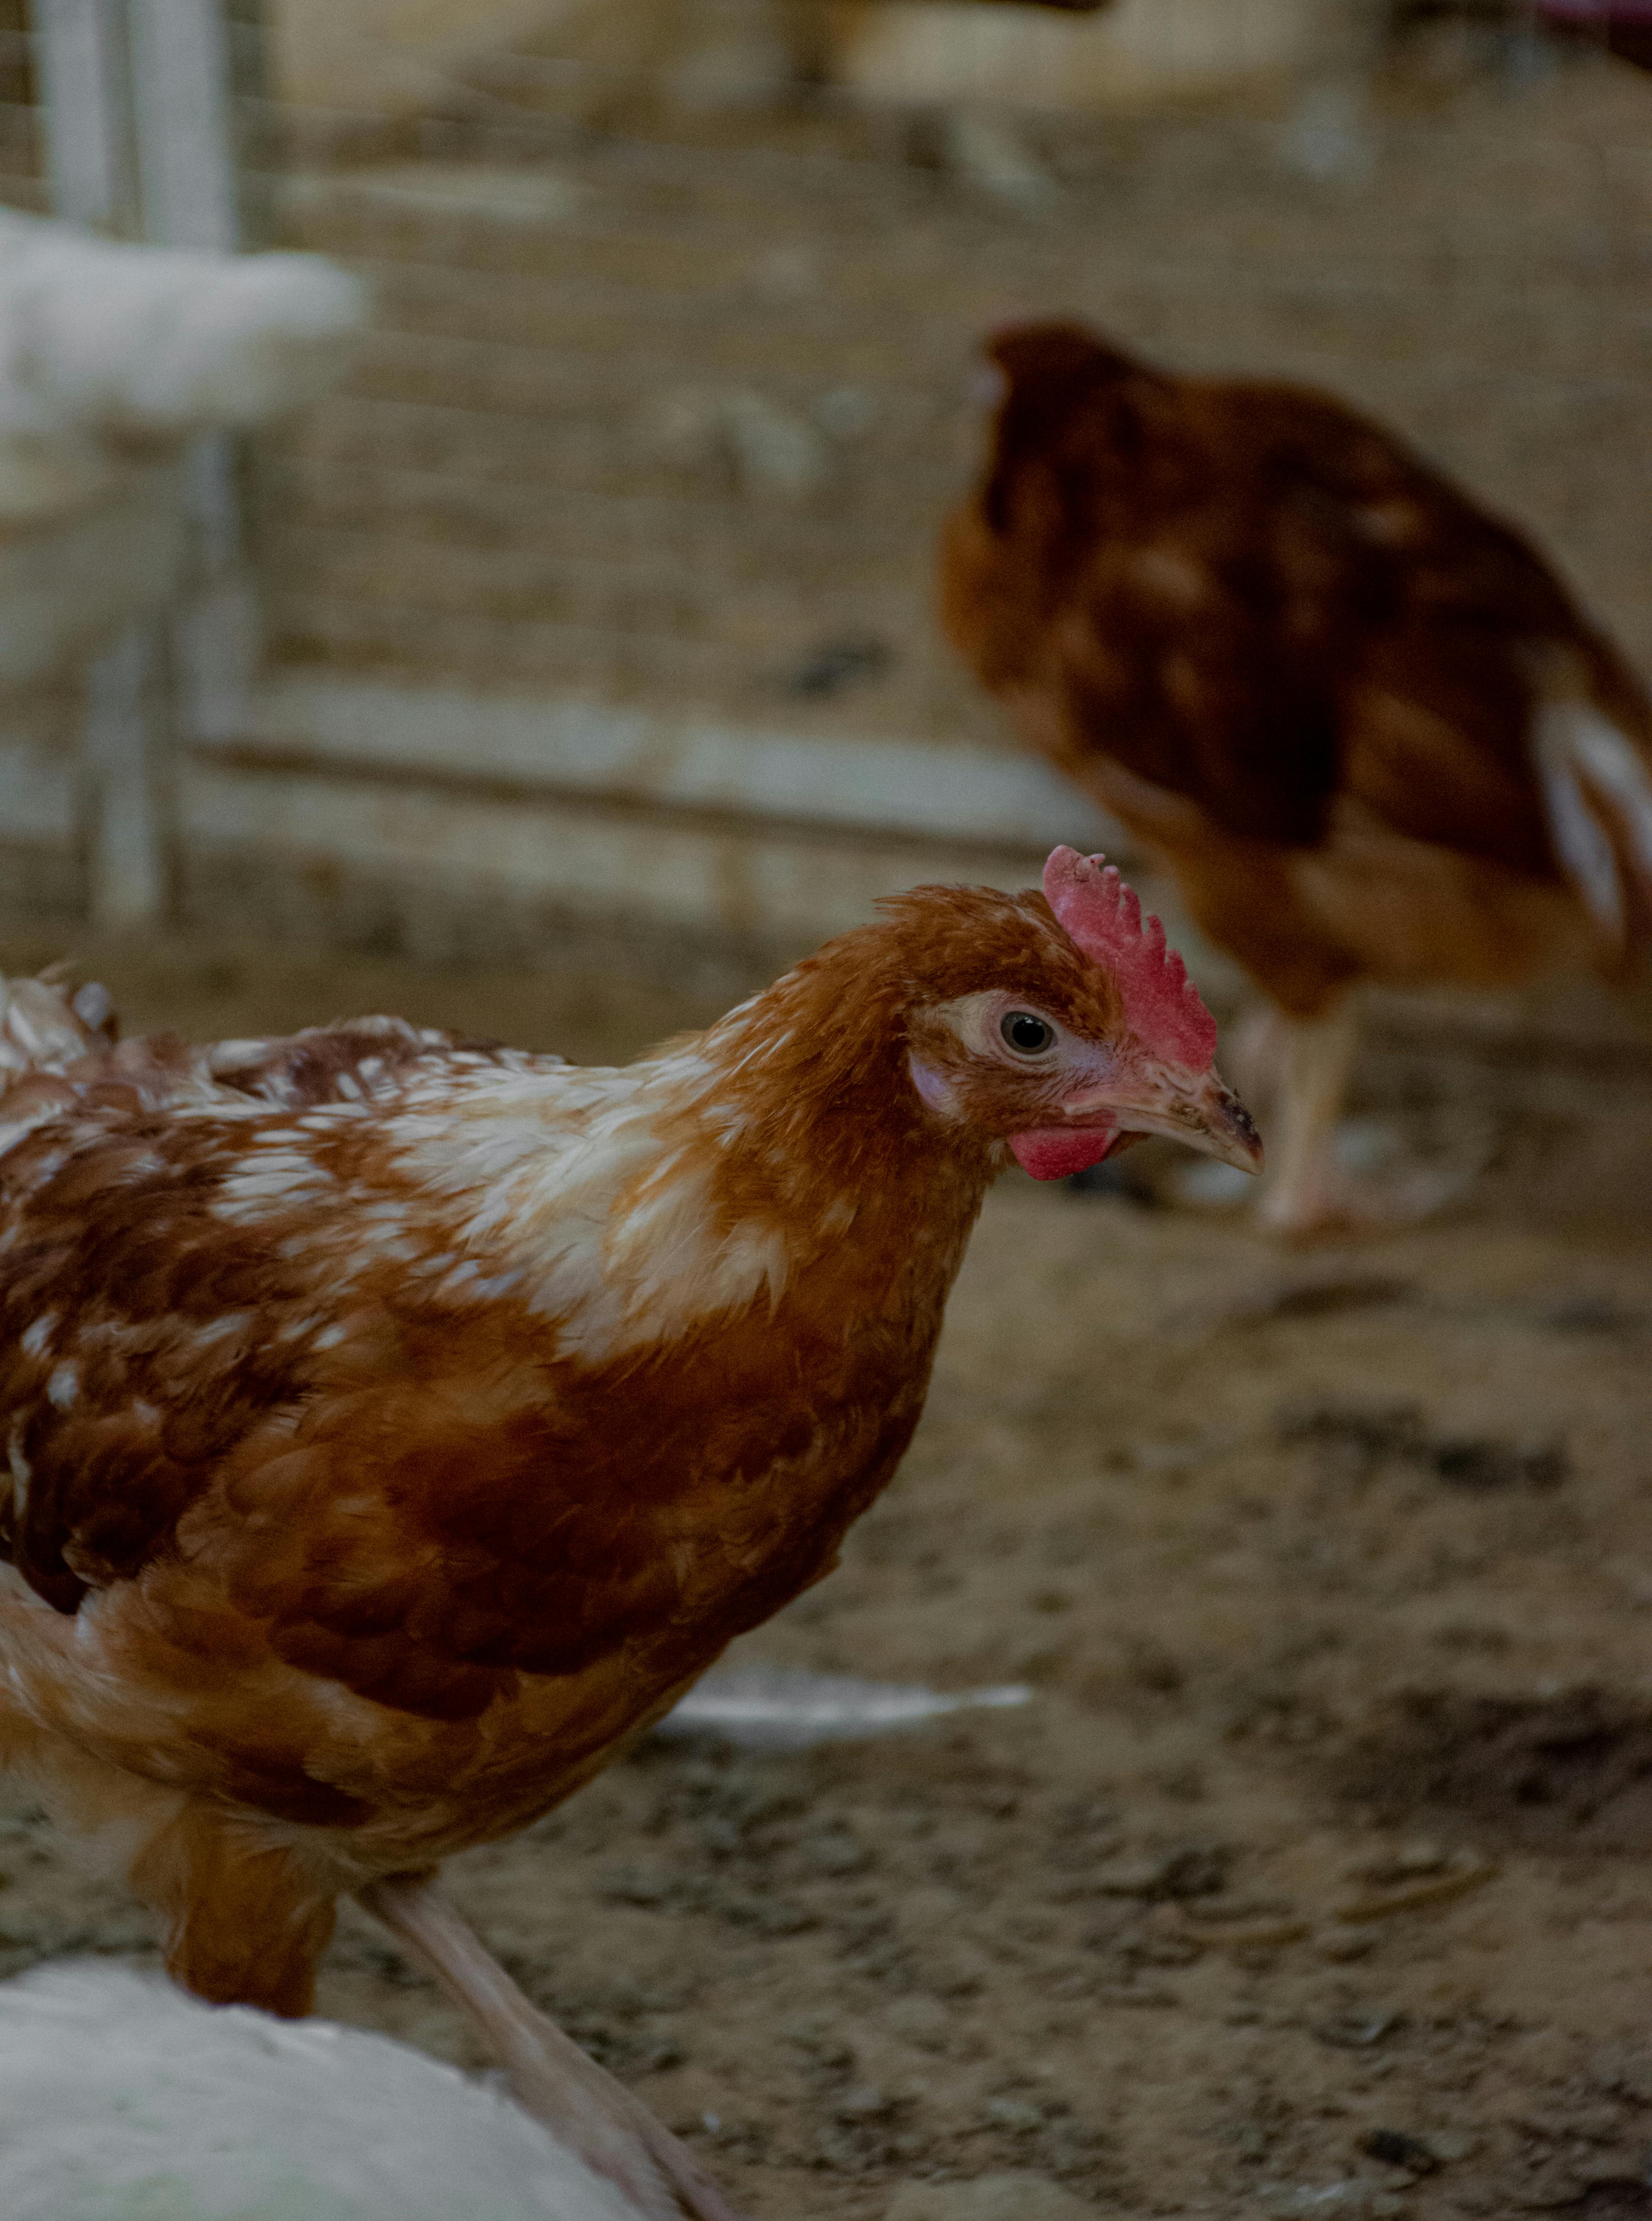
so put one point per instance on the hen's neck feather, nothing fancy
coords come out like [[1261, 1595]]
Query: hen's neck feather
[[785, 1144]]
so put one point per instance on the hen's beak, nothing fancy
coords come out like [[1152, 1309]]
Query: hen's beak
[[1195, 1108]]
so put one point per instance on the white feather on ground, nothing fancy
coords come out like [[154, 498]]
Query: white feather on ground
[[777, 1708], [122, 2100]]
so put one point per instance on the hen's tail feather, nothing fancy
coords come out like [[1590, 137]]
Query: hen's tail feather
[[45, 1026], [1597, 786], [45, 1029]]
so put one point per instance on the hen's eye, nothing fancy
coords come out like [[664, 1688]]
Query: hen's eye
[[1025, 1033]]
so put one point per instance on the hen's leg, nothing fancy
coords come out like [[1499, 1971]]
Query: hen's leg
[[1302, 1188], [1308, 1189], [579, 2101], [244, 1923]]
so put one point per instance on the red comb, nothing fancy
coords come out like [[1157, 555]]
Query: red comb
[[1103, 917]]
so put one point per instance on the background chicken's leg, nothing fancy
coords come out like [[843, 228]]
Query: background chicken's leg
[[581, 2102], [1318, 1056]]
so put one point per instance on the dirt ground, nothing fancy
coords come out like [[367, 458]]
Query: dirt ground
[[1312, 1879]]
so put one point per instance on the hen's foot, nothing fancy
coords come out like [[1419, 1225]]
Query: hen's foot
[[552, 2079]]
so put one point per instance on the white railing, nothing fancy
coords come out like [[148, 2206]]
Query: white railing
[[140, 144]]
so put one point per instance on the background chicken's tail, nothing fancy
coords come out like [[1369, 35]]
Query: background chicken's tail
[[45, 1025], [1597, 786]]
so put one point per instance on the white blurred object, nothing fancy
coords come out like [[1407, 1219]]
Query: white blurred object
[[114, 358], [1329, 136], [107, 346], [992, 154], [122, 2100], [780, 1708]]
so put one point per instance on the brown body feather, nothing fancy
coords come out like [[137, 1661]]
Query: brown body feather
[[1303, 668]]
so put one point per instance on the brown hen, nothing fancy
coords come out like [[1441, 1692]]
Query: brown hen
[[396, 1425], [1360, 720]]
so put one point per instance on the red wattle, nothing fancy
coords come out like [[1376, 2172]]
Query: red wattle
[[1057, 1151]]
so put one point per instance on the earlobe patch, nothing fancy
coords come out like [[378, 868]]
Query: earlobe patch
[[935, 1090]]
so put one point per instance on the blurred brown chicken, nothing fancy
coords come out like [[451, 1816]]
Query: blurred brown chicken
[[1360, 720]]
